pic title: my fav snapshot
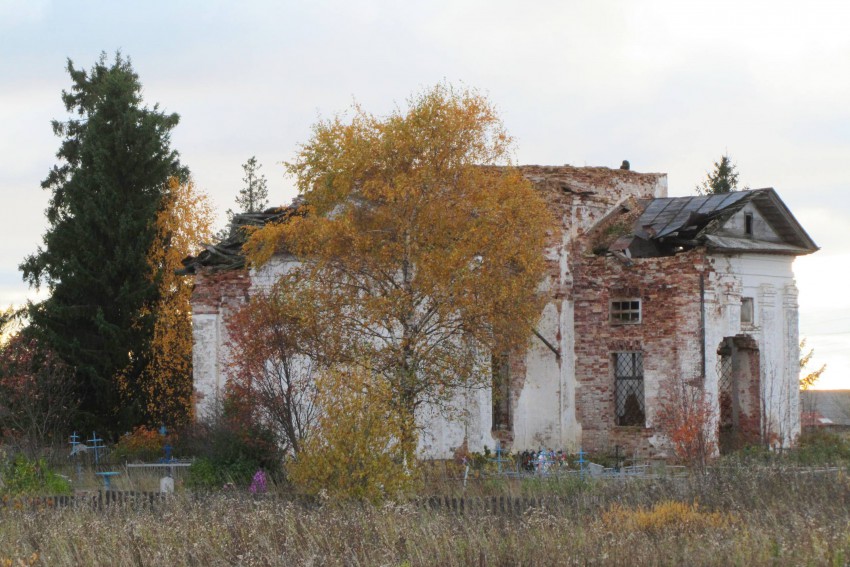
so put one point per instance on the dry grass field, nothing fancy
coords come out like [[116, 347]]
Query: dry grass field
[[767, 514]]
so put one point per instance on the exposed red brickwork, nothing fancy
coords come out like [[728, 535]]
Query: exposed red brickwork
[[751, 417], [607, 184], [579, 197], [745, 369], [214, 290], [669, 337]]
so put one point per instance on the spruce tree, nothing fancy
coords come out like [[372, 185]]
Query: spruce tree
[[115, 160], [724, 178], [254, 197]]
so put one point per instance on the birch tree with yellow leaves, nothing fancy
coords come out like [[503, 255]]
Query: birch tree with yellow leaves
[[164, 388], [356, 452], [420, 246]]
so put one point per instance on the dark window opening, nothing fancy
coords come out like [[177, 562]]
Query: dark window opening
[[748, 224], [629, 400], [501, 377], [625, 311]]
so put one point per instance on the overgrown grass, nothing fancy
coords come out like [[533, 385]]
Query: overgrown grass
[[764, 515]]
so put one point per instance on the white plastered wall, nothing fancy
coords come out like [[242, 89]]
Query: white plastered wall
[[769, 281], [206, 362], [210, 353], [467, 418], [537, 420]]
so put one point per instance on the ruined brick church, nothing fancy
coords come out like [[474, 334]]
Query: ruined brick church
[[644, 291]]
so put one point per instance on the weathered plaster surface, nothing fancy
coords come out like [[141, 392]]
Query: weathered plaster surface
[[565, 399], [769, 280], [216, 296]]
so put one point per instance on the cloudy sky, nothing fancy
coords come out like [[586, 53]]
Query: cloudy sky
[[670, 86]]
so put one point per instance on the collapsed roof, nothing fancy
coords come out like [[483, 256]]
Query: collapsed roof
[[227, 254], [742, 221], [637, 228]]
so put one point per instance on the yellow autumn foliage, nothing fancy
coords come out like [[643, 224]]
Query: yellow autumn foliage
[[808, 377], [355, 451], [664, 517], [165, 385], [421, 245]]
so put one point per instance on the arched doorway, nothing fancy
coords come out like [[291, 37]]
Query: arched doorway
[[739, 392]]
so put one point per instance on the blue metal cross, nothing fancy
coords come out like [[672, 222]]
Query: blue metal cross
[[581, 462], [499, 460], [75, 440], [97, 445]]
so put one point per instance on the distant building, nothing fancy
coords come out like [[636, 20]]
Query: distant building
[[828, 409], [643, 291]]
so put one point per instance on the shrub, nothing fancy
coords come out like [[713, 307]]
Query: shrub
[[270, 382], [142, 444], [37, 399], [688, 419], [202, 474], [356, 452], [229, 453], [205, 474], [818, 447], [23, 476]]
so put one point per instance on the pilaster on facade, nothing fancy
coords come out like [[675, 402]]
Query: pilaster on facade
[[767, 295], [792, 357]]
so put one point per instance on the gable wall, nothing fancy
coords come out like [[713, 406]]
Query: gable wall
[[762, 230]]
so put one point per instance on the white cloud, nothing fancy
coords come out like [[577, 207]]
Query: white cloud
[[668, 85]]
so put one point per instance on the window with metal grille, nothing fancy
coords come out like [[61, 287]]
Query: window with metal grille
[[628, 377], [726, 390], [625, 311]]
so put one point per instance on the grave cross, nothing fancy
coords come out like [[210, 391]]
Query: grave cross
[[581, 462], [97, 445], [168, 458], [75, 449], [75, 440], [499, 459]]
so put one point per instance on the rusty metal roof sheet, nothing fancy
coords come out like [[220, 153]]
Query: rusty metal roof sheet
[[668, 225]]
